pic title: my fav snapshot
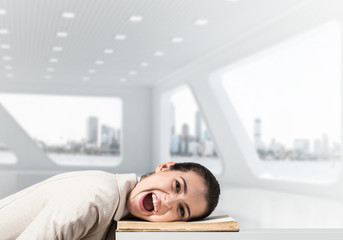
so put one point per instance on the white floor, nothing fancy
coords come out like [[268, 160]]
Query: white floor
[[265, 209]]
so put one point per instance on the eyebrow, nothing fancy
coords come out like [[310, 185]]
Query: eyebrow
[[184, 185], [185, 191]]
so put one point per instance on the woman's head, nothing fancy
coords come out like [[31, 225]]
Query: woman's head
[[175, 192], [212, 185]]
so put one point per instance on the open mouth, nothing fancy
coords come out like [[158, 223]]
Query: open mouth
[[149, 202]]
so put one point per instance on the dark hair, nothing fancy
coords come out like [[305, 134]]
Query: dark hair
[[213, 188]]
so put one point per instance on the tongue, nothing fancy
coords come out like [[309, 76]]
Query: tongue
[[147, 202]]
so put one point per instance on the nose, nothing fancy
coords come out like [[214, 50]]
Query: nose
[[171, 200]]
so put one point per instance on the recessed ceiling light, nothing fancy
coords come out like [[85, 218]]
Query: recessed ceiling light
[[68, 15], [136, 18], [5, 46], [62, 34], [47, 76], [159, 53], [108, 51], [132, 72], [144, 64], [57, 49], [91, 71], [9, 75], [201, 22], [123, 80], [120, 37], [177, 40], [99, 62], [85, 78], [7, 58], [3, 31], [53, 60], [2, 11], [8, 67], [50, 69]]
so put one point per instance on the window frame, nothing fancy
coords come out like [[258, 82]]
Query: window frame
[[247, 147], [115, 162], [165, 124]]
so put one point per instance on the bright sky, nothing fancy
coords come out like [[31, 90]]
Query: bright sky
[[56, 119], [294, 88]]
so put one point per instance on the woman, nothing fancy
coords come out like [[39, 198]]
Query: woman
[[82, 205]]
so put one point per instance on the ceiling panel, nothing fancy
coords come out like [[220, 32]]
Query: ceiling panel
[[33, 25]]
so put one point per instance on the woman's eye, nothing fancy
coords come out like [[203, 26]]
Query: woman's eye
[[182, 211], [178, 186]]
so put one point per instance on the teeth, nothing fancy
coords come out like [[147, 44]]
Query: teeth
[[154, 202]]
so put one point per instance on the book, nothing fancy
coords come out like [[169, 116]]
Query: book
[[211, 224]]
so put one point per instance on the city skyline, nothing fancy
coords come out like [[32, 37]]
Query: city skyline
[[302, 149]]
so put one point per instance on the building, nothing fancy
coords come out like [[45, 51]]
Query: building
[[107, 136], [172, 119], [184, 139], [301, 146], [92, 131], [174, 145], [198, 126]]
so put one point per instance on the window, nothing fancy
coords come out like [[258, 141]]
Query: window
[[288, 99], [72, 130], [189, 137], [6, 155]]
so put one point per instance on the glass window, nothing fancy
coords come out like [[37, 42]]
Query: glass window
[[190, 139], [72, 130], [6, 155], [288, 99]]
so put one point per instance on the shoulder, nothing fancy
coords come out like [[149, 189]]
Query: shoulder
[[89, 183]]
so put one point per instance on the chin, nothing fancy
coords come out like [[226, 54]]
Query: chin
[[145, 218], [150, 219]]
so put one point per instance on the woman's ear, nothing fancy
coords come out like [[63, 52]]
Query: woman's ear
[[164, 166]]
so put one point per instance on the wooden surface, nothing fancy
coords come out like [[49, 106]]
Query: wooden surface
[[213, 224]]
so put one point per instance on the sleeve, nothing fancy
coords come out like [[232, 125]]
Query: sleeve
[[63, 220], [81, 207]]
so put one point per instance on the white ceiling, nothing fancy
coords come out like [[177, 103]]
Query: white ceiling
[[33, 25]]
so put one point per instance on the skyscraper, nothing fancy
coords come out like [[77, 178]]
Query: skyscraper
[[301, 146], [174, 144], [317, 148], [325, 142], [185, 139], [172, 118], [107, 136], [92, 130], [118, 136], [257, 134], [197, 126]]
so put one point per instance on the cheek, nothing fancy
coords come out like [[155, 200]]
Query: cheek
[[129, 204]]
